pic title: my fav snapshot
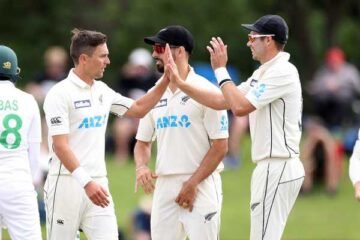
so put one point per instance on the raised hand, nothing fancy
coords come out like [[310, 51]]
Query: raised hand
[[218, 53], [170, 67]]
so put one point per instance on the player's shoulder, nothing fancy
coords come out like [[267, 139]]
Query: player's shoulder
[[283, 66], [103, 86], [62, 86], [23, 95], [202, 81], [59, 91]]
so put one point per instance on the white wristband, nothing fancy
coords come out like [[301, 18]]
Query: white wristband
[[221, 74], [81, 176]]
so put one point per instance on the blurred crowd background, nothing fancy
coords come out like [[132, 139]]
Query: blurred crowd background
[[323, 42]]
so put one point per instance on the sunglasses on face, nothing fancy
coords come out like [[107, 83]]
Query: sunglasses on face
[[160, 49], [253, 37]]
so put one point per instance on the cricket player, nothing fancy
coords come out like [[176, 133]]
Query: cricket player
[[272, 97], [20, 137], [354, 168], [192, 140], [77, 111]]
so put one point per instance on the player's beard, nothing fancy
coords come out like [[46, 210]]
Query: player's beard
[[160, 65]]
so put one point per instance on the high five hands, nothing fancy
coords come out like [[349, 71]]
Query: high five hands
[[218, 53], [171, 70], [218, 58]]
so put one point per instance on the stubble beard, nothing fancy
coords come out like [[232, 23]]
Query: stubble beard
[[160, 66]]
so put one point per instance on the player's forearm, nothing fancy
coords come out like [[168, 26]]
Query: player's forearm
[[144, 104], [212, 98], [235, 98], [237, 101], [67, 157], [211, 161], [142, 154]]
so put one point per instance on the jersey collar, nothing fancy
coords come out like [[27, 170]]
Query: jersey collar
[[189, 78], [76, 80], [281, 56], [7, 83]]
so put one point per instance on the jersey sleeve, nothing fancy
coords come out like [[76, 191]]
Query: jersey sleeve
[[146, 129], [34, 134], [56, 113], [244, 86], [270, 88], [120, 104], [216, 123]]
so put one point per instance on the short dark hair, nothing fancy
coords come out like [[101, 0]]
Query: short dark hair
[[85, 41]]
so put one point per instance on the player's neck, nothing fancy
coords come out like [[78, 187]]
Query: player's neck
[[83, 76], [184, 70], [268, 56]]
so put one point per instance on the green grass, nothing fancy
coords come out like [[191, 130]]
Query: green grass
[[316, 216]]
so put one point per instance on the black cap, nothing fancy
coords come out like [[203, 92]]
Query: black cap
[[175, 35], [270, 24]]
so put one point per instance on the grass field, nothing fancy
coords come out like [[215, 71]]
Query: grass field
[[316, 216]]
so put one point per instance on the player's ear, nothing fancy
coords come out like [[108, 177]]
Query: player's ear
[[181, 50], [83, 58]]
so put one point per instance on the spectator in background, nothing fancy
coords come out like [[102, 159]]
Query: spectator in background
[[136, 77], [322, 157], [140, 219], [333, 90], [56, 69]]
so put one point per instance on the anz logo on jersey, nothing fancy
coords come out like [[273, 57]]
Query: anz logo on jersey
[[173, 121], [259, 90], [224, 123], [93, 122]]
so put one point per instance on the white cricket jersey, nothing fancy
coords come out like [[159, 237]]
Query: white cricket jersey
[[183, 129], [274, 90], [19, 125], [73, 107], [354, 164]]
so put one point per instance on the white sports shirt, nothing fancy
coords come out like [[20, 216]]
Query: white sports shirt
[[275, 126], [73, 107], [19, 126], [354, 165], [183, 129]]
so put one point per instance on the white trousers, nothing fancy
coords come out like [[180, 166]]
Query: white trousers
[[19, 212], [170, 221], [275, 185], [68, 209]]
